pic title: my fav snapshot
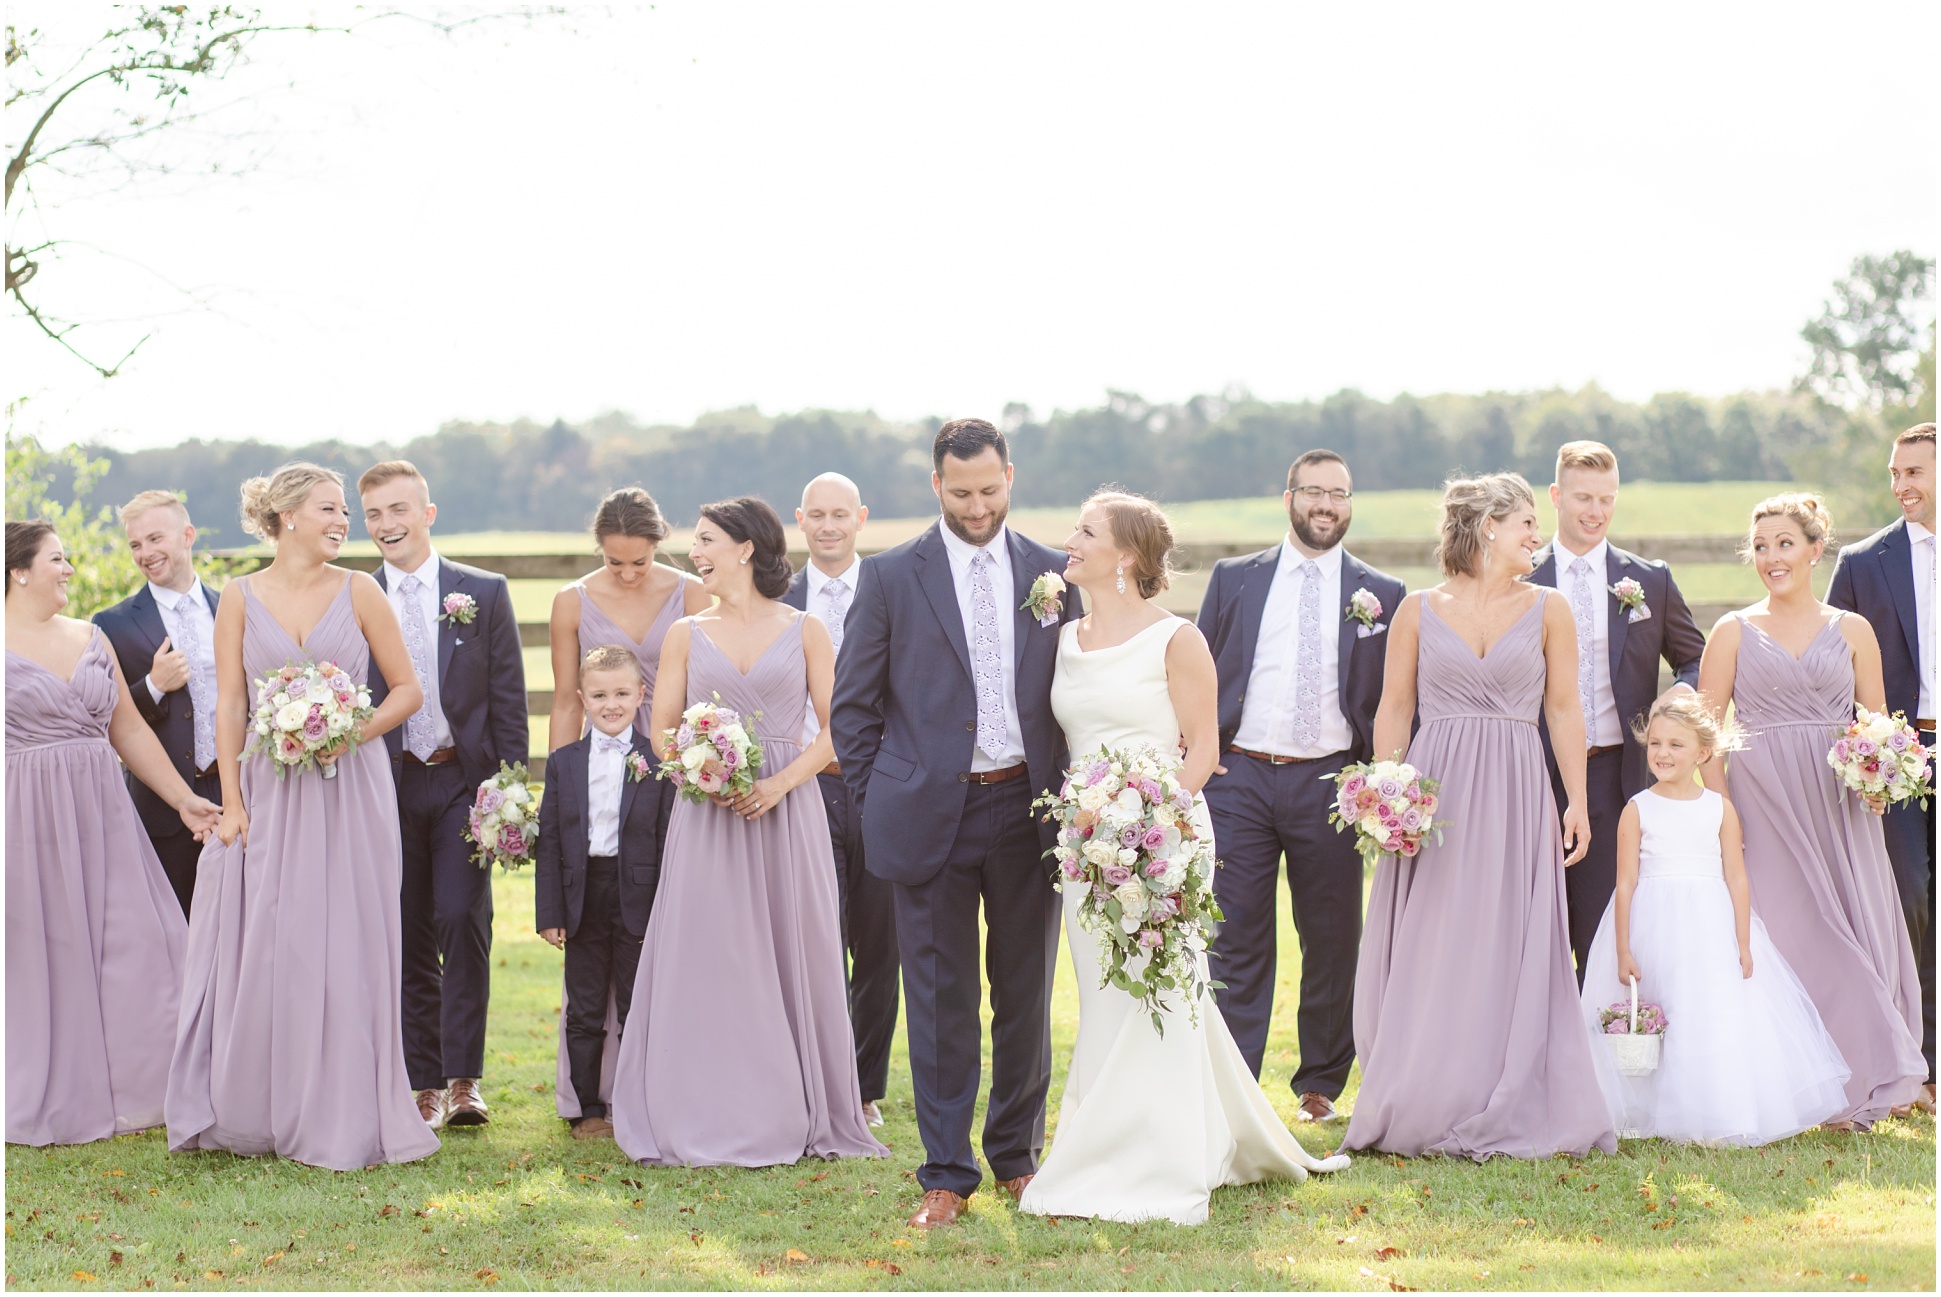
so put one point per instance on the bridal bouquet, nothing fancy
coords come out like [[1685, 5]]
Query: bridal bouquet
[[1880, 756], [1391, 806], [1634, 1033], [304, 710], [504, 820], [711, 754], [1127, 835]]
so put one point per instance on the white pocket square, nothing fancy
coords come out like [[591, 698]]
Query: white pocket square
[[1049, 619], [1640, 614], [1363, 632]]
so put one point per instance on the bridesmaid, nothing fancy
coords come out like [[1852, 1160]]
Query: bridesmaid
[[630, 593], [94, 936], [738, 1049], [289, 1040], [1466, 1015], [1793, 668]]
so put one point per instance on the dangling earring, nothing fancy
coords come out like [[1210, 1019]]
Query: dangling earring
[[1121, 570]]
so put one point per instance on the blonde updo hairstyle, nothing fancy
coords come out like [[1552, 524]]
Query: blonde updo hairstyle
[[1469, 505], [1806, 511], [267, 499], [1140, 526], [1715, 733]]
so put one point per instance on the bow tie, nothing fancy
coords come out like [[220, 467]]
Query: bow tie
[[612, 743]]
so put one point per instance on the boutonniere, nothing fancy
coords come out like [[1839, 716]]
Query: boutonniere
[[1365, 609], [1630, 596], [637, 769], [460, 609], [1046, 601]]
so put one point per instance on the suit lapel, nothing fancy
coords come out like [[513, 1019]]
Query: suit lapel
[[1897, 567], [1353, 577], [933, 573], [450, 580], [1022, 575], [628, 788], [1618, 622], [209, 596], [148, 616], [1545, 572], [1256, 580]]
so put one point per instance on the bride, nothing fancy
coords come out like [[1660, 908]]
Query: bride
[[1150, 1124]]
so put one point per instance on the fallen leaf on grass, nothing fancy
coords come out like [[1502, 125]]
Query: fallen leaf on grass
[[487, 1275], [631, 1184], [82, 1276], [899, 1242], [1856, 1277], [796, 1254], [114, 1258], [1393, 1286], [212, 1274], [387, 1210], [272, 1258], [1387, 1253]]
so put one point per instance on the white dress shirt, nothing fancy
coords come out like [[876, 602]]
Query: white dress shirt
[[1267, 719], [1921, 544], [961, 553], [428, 608], [1607, 731], [606, 773], [825, 607], [175, 605]]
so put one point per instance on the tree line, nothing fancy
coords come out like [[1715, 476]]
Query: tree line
[[527, 476]]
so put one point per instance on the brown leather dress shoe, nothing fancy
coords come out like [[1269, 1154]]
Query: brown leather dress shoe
[[940, 1207], [1317, 1107], [431, 1106], [464, 1106], [1926, 1102], [1015, 1186], [593, 1128]]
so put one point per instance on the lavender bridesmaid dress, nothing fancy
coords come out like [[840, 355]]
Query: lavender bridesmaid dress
[[94, 940], [596, 628], [289, 1040], [1466, 1012], [1817, 858], [738, 1049]]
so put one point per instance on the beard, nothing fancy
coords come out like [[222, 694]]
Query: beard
[[991, 525], [1319, 533]]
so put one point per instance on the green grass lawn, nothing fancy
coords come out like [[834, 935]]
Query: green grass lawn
[[521, 1205]]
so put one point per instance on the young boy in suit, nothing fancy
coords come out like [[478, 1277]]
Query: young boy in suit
[[597, 865]]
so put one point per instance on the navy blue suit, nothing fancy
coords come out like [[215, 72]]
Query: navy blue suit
[[135, 631], [1612, 779], [904, 722], [446, 904], [868, 909], [1875, 578], [602, 905], [1263, 813]]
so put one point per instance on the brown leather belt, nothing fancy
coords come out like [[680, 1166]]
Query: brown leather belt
[[209, 771], [442, 757], [1608, 747], [831, 769], [1005, 775], [1925, 727], [1275, 759]]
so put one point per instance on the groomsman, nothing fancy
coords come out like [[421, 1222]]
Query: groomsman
[[1629, 615], [1300, 678], [1889, 579], [165, 637], [464, 642], [831, 515], [943, 728]]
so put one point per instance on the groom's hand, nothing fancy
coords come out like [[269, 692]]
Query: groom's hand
[[557, 936]]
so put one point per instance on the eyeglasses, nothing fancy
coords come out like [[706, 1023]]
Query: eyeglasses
[[1316, 494]]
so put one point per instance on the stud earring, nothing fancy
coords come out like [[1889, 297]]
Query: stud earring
[[744, 560], [1489, 535], [1122, 577], [22, 580]]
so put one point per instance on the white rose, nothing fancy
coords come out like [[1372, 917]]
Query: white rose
[[290, 716], [1173, 875], [734, 733], [1132, 903], [1128, 857], [1099, 853], [512, 814], [695, 757], [1092, 799], [263, 728], [518, 795], [1372, 826], [281, 700]]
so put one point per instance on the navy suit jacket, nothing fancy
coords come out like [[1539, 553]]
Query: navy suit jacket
[[797, 595], [481, 675], [1636, 646], [559, 859], [904, 715], [1875, 578], [134, 630], [1230, 615]]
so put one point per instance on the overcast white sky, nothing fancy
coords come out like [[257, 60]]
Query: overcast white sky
[[931, 209]]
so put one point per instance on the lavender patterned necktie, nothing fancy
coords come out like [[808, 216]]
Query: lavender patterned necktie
[[1580, 606], [188, 624], [1307, 661], [420, 734], [837, 593], [987, 668]]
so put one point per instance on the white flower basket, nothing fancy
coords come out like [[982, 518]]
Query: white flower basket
[[1633, 1054]]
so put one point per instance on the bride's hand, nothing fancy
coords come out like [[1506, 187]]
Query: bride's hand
[[1577, 834]]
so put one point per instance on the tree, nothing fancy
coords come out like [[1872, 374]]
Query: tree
[[115, 111]]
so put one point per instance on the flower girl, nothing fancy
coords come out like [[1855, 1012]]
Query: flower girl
[[1745, 1059]]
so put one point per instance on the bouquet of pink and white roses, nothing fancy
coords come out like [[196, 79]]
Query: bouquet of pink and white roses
[[504, 819], [711, 753], [1391, 806], [1127, 834], [304, 710], [1882, 758]]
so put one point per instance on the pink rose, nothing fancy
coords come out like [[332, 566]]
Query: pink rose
[[1898, 740], [1162, 908], [1865, 747], [314, 725], [1155, 868], [1414, 791], [1842, 750], [1151, 940], [730, 759], [490, 799], [1352, 785], [1155, 838], [512, 842], [1074, 869], [1388, 789], [1411, 820], [1117, 875]]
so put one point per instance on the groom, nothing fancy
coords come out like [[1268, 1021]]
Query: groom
[[943, 729], [1629, 615]]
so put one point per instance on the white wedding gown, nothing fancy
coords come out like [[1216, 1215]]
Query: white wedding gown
[[1149, 1125]]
